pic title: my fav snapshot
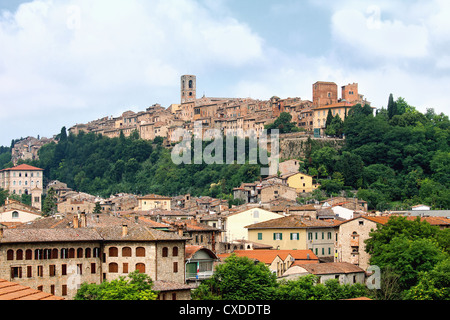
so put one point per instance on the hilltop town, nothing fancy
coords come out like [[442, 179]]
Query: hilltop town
[[49, 249]]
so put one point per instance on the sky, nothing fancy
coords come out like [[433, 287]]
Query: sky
[[73, 61]]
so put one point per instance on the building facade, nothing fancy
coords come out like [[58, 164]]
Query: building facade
[[24, 179]]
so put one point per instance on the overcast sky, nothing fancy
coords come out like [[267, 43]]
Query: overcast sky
[[65, 62]]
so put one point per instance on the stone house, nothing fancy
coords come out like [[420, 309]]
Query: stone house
[[57, 255]]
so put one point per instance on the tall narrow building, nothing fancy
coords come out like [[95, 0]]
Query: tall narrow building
[[188, 88]]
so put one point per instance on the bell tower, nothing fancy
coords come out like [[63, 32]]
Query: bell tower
[[188, 88]]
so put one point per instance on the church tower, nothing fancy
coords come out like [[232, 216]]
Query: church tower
[[188, 88]]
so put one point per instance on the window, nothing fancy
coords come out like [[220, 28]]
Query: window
[[64, 269], [87, 253], [71, 253], [140, 267], [113, 268], [259, 236], [256, 214], [165, 252], [361, 222], [140, 252], [64, 253], [316, 235], [310, 236], [175, 267], [329, 236], [16, 272], [294, 236], [40, 271], [323, 235], [93, 268], [64, 290], [175, 251], [29, 271], [15, 215], [52, 270], [28, 254], [79, 268], [126, 252], [113, 252], [10, 255], [277, 236], [125, 268]]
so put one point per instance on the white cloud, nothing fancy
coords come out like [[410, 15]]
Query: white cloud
[[77, 55], [368, 33]]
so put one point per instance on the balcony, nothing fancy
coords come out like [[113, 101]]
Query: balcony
[[198, 275]]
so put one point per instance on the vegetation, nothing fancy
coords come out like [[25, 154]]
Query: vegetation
[[102, 166], [395, 159], [137, 286], [239, 278], [283, 124], [415, 255]]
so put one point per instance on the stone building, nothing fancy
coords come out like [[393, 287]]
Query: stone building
[[57, 255], [23, 179]]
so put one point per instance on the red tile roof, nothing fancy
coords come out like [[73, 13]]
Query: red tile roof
[[15, 291], [23, 167], [267, 256]]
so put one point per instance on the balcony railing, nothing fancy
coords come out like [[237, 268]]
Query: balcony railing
[[199, 275]]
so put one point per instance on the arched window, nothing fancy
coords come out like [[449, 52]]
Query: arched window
[[140, 252], [140, 267], [10, 255], [80, 253], [96, 252], [175, 251], [113, 252], [54, 254], [38, 254], [126, 252], [19, 254], [71, 253], [47, 254], [165, 252], [87, 253], [64, 253], [28, 254], [190, 84], [113, 267]]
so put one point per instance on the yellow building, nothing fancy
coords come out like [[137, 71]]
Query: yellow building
[[154, 201], [295, 233], [300, 182]]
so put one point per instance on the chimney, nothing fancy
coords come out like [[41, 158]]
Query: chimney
[[124, 230], [83, 220], [75, 222]]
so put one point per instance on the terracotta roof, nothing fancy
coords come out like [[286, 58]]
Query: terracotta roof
[[267, 256], [23, 167], [160, 285], [331, 267], [15, 291], [434, 221], [190, 250]]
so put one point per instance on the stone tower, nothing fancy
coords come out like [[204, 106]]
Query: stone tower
[[188, 88]]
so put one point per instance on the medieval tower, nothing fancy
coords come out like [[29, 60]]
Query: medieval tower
[[188, 88]]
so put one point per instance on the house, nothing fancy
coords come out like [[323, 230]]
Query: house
[[200, 263], [169, 290], [289, 166], [23, 179], [276, 191], [15, 216], [56, 254], [154, 201], [76, 206], [278, 261], [200, 234], [420, 207], [296, 233], [345, 272], [234, 223], [301, 182]]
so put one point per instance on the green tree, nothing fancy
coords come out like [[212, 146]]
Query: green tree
[[97, 208], [49, 205], [239, 278], [137, 286], [283, 123], [392, 107]]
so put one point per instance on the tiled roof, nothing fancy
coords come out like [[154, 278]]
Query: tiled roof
[[15, 291], [154, 197], [160, 285], [23, 167], [330, 268], [191, 250], [267, 256]]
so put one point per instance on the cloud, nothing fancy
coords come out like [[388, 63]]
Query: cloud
[[371, 35], [90, 57]]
